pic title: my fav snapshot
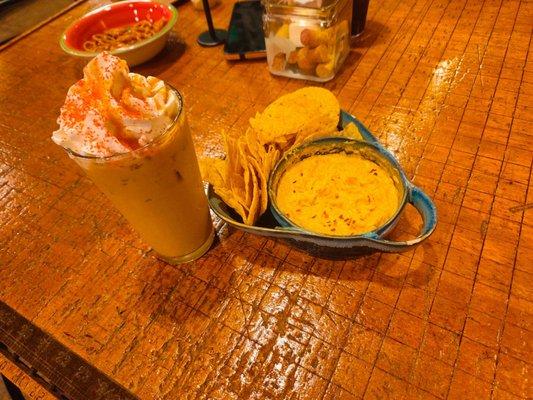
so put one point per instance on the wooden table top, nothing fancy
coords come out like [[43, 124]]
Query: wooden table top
[[447, 85]]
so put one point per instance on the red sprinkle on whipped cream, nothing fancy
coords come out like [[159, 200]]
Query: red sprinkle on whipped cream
[[112, 111]]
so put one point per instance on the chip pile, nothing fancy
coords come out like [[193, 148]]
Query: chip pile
[[241, 178]]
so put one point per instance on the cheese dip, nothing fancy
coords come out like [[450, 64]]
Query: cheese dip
[[337, 194]]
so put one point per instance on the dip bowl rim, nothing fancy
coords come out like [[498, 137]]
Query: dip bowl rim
[[336, 141]]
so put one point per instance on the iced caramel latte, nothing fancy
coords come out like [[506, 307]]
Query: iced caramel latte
[[130, 135]]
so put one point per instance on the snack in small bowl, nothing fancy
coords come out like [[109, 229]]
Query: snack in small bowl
[[337, 187], [135, 30]]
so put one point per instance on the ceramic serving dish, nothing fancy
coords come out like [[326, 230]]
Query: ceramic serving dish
[[115, 15], [336, 145], [274, 225]]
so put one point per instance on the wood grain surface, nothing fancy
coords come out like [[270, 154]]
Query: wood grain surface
[[447, 85], [30, 389]]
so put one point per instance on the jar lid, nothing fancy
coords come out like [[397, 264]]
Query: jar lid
[[321, 8], [315, 4]]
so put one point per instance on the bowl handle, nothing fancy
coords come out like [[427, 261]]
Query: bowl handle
[[426, 208]]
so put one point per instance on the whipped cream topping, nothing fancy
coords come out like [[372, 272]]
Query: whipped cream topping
[[112, 111]]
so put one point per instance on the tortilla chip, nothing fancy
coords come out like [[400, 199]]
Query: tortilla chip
[[243, 162], [231, 201], [213, 170], [273, 155], [262, 181], [253, 212], [306, 111], [352, 131]]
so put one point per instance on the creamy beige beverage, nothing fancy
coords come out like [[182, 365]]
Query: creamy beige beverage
[[130, 135]]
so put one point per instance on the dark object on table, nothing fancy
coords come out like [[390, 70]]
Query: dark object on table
[[359, 11], [212, 37], [46, 360], [8, 390], [246, 38], [179, 2], [19, 16]]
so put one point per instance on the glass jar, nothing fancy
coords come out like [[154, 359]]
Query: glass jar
[[307, 39]]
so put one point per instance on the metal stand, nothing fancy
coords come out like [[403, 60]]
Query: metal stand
[[212, 37]]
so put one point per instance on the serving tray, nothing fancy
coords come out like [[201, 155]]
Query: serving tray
[[330, 246]]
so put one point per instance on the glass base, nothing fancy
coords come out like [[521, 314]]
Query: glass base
[[357, 35], [205, 39], [199, 252]]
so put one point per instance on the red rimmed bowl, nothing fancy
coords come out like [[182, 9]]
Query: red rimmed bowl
[[116, 15]]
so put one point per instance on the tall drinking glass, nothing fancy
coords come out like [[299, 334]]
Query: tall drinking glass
[[158, 188], [359, 11]]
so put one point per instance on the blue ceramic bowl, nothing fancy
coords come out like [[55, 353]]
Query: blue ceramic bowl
[[274, 225], [334, 145]]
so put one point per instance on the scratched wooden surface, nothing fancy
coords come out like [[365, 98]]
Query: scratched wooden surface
[[446, 84], [30, 389]]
